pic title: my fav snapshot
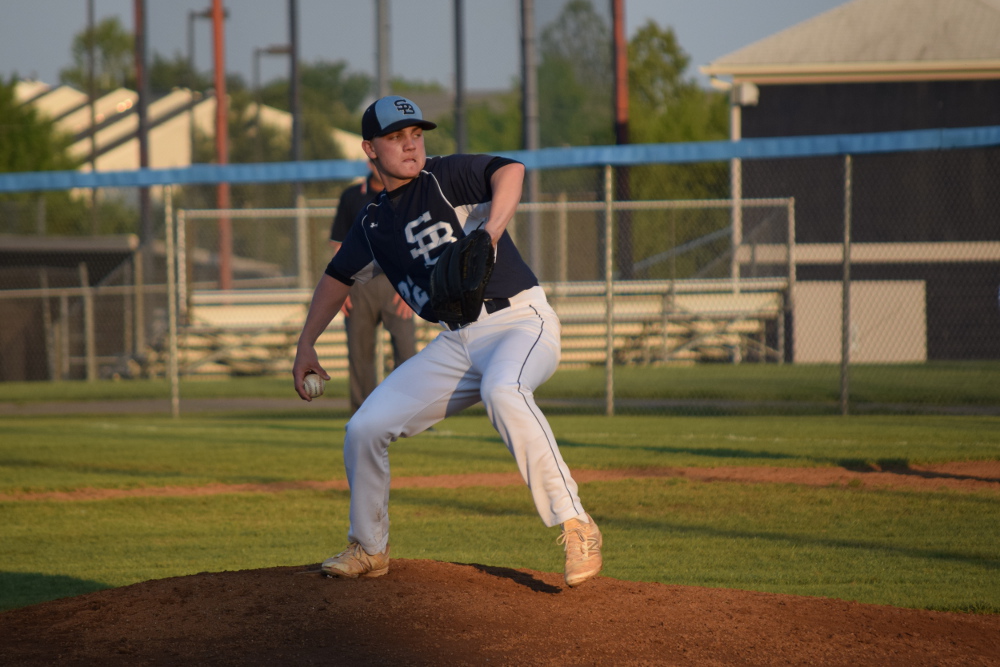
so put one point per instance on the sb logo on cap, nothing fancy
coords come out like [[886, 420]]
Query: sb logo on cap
[[404, 107]]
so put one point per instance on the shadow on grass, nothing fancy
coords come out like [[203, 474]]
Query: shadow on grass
[[902, 467], [21, 589], [86, 469], [928, 556], [279, 414], [708, 452]]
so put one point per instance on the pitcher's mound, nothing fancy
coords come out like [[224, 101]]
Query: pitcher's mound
[[426, 612]]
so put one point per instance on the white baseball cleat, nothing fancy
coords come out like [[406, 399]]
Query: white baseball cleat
[[582, 542], [354, 562]]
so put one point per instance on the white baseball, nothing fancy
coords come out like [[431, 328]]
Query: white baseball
[[313, 385]]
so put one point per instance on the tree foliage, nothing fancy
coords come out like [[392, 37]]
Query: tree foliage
[[666, 106], [28, 142], [114, 57], [167, 74], [328, 93], [495, 127], [575, 78]]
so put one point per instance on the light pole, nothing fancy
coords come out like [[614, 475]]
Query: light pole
[[192, 17], [460, 132], [383, 84], [295, 104], [273, 50], [529, 125]]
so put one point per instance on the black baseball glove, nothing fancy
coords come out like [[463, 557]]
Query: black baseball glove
[[459, 278]]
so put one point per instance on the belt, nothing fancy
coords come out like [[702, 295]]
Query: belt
[[491, 306]]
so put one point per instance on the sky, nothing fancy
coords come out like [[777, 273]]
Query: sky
[[36, 35]]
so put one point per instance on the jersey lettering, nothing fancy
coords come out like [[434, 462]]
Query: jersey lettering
[[428, 238], [412, 294]]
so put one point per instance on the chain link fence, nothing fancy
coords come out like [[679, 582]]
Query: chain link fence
[[656, 296]]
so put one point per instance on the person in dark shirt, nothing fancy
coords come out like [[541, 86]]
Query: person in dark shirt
[[511, 348], [369, 303]]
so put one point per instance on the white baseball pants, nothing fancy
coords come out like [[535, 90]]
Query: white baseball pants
[[499, 360]]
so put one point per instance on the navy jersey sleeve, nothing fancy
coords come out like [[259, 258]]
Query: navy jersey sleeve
[[354, 261], [466, 178]]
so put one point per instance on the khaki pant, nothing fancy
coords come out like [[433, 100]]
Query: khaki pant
[[372, 303]]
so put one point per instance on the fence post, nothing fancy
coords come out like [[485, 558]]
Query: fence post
[[128, 317], [168, 215], [88, 323], [182, 265], [302, 240], [609, 294], [50, 337], [788, 315], [562, 225], [140, 300], [63, 333], [845, 313]]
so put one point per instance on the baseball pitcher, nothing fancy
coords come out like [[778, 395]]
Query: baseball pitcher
[[438, 233]]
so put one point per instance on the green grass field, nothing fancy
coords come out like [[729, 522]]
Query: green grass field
[[975, 384], [935, 550]]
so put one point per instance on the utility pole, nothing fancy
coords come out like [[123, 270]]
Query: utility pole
[[142, 78], [383, 83], [624, 189], [295, 101], [92, 99], [222, 145], [529, 122], [461, 138]]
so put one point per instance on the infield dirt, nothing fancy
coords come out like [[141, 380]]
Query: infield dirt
[[435, 613]]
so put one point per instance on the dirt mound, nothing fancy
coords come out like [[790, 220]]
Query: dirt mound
[[426, 612]]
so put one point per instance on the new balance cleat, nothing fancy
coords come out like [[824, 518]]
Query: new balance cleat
[[354, 562], [582, 542]]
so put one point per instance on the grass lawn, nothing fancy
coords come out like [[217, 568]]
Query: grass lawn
[[127, 451], [931, 384]]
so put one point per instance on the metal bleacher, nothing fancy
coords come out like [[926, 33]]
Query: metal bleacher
[[254, 332], [670, 321]]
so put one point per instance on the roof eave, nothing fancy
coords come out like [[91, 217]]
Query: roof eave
[[857, 72]]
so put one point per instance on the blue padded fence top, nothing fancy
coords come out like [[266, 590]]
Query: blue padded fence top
[[546, 158]]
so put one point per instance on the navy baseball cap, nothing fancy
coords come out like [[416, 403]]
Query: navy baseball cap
[[389, 114]]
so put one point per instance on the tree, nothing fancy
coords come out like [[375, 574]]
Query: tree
[[665, 105], [493, 125], [668, 107], [114, 57], [330, 97], [575, 78], [29, 142], [165, 75]]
